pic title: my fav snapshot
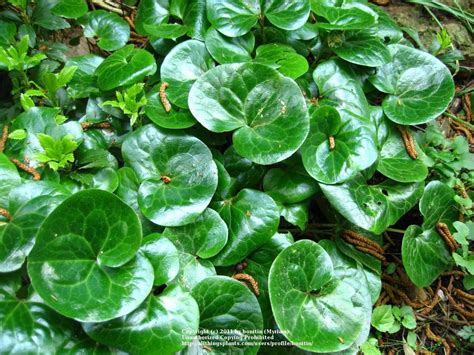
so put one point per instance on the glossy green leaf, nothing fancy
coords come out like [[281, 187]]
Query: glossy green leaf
[[205, 237], [438, 205], [9, 178], [230, 309], [163, 256], [419, 86], [28, 326], [41, 120], [266, 109], [289, 185], [84, 262], [282, 58], [111, 30], [259, 264], [157, 155], [177, 118], [17, 237], [171, 30], [235, 18], [84, 83], [296, 213], [126, 66], [424, 254], [344, 15], [252, 219], [151, 12], [42, 15], [373, 207], [363, 48], [227, 49], [354, 145], [192, 270], [161, 322], [183, 65], [394, 161], [70, 8], [244, 172], [311, 303], [193, 14], [337, 82]]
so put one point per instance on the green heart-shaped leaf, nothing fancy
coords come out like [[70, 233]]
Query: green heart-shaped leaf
[[420, 87], [394, 161], [177, 118], [163, 256], [226, 304], [70, 8], [289, 185], [259, 264], [337, 82], [311, 300], [177, 174], [183, 65], [266, 109], [192, 270], [163, 322], [338, 146], [282, 58], [373, 207], [344, 15], [438, 205], [227, 49], [127, 66], [28, 326], [151, 12], [17, 237], [171, 30], [40, 120], [252, 219], [113, 31], [424, 254], [9, 178], [205, 237], [363, 48], [83, 83], [83, 263], [235, 18]]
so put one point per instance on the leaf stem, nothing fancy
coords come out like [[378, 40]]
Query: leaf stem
[[458, 120], [395, 230]]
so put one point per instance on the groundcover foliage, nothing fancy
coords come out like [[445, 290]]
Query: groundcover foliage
[[166, 187]]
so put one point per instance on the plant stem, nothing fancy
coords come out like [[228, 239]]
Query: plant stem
[[458, 120], [395, 230], [262, 28]]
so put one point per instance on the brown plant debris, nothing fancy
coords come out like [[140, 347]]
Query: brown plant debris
[[332, 143], [101, 125], [30, 170], [3, 139], [459, 307], [463, 294], [444, 231], [250, 280], [402, 295], [349, 236], [6, 214], [408, 141], [165, 179], [163, 98], [436, 338]]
